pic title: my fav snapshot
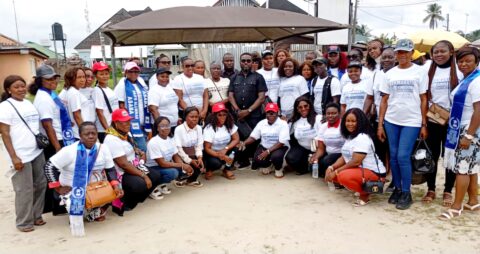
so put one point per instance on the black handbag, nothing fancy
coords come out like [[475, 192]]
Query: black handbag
[[42, 140], [372, 187], [422, 159]]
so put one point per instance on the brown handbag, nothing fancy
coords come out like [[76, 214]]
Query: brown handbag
[[99, 193], [438, 114]]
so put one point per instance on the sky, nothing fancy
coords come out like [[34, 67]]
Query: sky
[[35, 18]]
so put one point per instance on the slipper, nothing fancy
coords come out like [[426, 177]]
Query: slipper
[[228, 174], [450, 214], [208, 175], [429, 197], [447, 199], [360, 202], [39, 222], [472, 208], [26, 230]]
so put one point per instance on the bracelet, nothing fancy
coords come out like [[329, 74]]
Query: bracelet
[[331, 167], [268, 151]]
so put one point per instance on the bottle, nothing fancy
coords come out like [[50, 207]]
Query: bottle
[[331, 186], [231, 156], [315, 169]]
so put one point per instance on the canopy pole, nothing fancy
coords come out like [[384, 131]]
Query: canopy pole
[[114, 64]]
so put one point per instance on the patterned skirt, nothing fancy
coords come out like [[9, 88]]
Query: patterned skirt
[[468, 160]]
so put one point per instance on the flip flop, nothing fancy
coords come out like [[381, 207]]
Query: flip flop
[[39, 222], [228, 174], [447, 199], [429, 197], [360, 202], [450, 214], [472, 208]]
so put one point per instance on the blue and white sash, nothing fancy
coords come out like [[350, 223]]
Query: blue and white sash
[[131, 104], [65, 122], [455, 119]]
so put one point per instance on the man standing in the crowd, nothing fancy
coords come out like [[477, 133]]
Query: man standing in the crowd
[[337, 64], [246, 94], [325, 88], [270, 74], [228, 66], [310, 56]]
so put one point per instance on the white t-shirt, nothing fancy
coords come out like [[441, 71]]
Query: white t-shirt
[[186, 137], [77, 101], [158, 147], [304, 132], [473, 95], [270, 135], [331, 137], [377, 79], [362, 143], [63, 97], [100, 103], [23, 140], [64, 161], [273, 82], [404, 87], [220, 138], [318, 91], [366, 74], [88, 108], [217, 90], [121, 96], [334, 72], [166, 100], [440, 87], [290, 89], [48, 109], [354, 95], [119, 148], [192, 89]]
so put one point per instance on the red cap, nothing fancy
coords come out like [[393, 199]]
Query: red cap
[[271, 107], [217, 107], [121, 115], [99, 66]]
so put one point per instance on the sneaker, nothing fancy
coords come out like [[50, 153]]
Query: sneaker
[[279, 173], [195, 184], [179, 184], [395, 196], [165, 189], [156, 193], [266, 171], [405, 201]]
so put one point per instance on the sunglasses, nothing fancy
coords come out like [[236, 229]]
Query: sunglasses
[[303, 106], [353, 56], [165, 62], [164, 127], [189, 65], [246, 60], [135, 72]]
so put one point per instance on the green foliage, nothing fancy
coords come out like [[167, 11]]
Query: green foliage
[[434, 14]]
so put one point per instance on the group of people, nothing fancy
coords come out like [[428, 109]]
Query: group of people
[[354, 120]]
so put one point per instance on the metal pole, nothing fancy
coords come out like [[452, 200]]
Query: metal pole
[[349, 35], [64, 53], [448, 22], [114, 65], [315, 39], [102, 46], [16, 24], [466, 22], [267, 4], [354, 28]]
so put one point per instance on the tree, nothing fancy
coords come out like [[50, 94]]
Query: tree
[[473, 35], [363, 30], [434, 12], [385, 38]]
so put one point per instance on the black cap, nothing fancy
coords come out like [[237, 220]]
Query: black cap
[[162, 70], [319, 60], [355, 64], [333, 49], [266, 53]]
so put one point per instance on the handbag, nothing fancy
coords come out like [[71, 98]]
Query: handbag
[[370, 186], [42, 140], [438, 114], [422, 161], [99, 193]]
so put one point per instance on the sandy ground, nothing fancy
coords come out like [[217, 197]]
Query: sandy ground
[[253, 214]]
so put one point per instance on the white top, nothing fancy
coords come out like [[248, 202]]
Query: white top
[[48, 109], [23, 140], [186, 137], [377, 79], [101, 104], [318, 91], [64, 161], [121, 96], [304, 132], [290, 89], [366, 74], [166, 100], [404, 87], [158, 148], [440, 87], [273, 82], [331, 137], [119, 148], [192, 89], [217, 88], [362, 143], [77, 101], [154, 81], [63, 97], [88, 109], [271, 134], [354, 95], [220, 138], [334, 72], [473, 95]]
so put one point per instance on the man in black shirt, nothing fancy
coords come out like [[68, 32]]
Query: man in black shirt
[[228, 66]]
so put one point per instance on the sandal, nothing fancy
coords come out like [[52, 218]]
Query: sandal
[[360, 202], [228, 174], [26, 230], [39, 222], [450, 214], [447, 199], [429, 197], [208, 175], [472, 208]]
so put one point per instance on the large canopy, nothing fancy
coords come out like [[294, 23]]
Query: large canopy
[[215, 25], [425, 39]]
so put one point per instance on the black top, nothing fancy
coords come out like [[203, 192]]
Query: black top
[[246, 89], [229, 74]]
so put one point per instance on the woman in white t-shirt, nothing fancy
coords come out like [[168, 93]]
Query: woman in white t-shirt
[[270, 74], [274, 135], [162, 99], [105, 99], [304, 125], [220, 138], [26, 160], [77, 103], [403, 114], [329, 140], [217, 86], [292, 86], [359, 160], [355, 92], [87, 91], [199, 68]]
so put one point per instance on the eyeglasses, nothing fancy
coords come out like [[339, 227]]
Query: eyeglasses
[[303, 106], [246, 60], [164, 127], [189, 65], [353, 56], [165, 62], [134, 72]]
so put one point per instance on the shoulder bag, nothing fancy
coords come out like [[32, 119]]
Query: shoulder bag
[[436, 113], [369, 186], [99, 193]]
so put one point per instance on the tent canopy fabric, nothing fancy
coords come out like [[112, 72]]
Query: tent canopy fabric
[[425, 39], [215, 24]]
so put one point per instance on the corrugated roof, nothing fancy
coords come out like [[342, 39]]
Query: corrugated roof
[[44, 50]]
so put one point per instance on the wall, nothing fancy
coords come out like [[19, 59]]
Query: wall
[[18, 64], [338, 11]]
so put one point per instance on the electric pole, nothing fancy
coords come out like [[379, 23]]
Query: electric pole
[[16, 23], [448, 22], [354, 25]]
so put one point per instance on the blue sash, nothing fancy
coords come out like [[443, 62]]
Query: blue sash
[[131, 104], [66, 123]]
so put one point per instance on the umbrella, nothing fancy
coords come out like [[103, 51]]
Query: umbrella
[[221, 24], [425, 39]]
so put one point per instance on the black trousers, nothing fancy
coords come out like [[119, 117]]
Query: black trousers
[[101, 136], [194, 176], [243, 156], [52, 198], [436, 141], [275, 157], [325, 161], [135, 189], [381, 148], [214, 163], [297, 158]]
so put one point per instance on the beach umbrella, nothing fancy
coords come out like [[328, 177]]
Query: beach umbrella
[[425, 39]]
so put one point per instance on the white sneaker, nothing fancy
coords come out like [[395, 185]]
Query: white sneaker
[[165, 189], [156, 193], [266, 171], [279, 173]]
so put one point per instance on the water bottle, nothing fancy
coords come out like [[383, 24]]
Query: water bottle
[[331, 186], [231, 156], [315, 169]]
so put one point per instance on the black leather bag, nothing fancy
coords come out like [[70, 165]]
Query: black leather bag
[[369, 186], [422, 159], [42, 140]]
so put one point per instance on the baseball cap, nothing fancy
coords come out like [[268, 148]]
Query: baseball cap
[[417, 54], [162, 70], [355, 64], [217, 107], [319, 60], [99, 66], [131, 65], [267, 53], [46, 71], [120, 115], [404, 45], [333, 49], [271, 107]]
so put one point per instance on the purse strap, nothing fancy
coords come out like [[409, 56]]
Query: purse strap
[[216, 87], [185, 91], [424, 142], [23, 120], [376, 162], [106, 100]]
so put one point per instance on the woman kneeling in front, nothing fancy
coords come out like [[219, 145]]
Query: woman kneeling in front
[[358, 162]]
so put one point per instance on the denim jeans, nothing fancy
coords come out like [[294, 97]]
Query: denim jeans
[[142, 141], [401, 141], [166, 174]]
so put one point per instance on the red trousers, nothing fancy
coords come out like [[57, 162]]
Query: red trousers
[[352, 179]]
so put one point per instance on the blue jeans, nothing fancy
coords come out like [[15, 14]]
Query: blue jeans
[[142, 141], [166, 174], [401, 141]]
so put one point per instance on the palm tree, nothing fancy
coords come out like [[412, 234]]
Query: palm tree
[[434, 12], [363, 30]]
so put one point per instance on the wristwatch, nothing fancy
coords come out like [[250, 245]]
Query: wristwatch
[[226, 147], [249, 110], [468, 136]]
